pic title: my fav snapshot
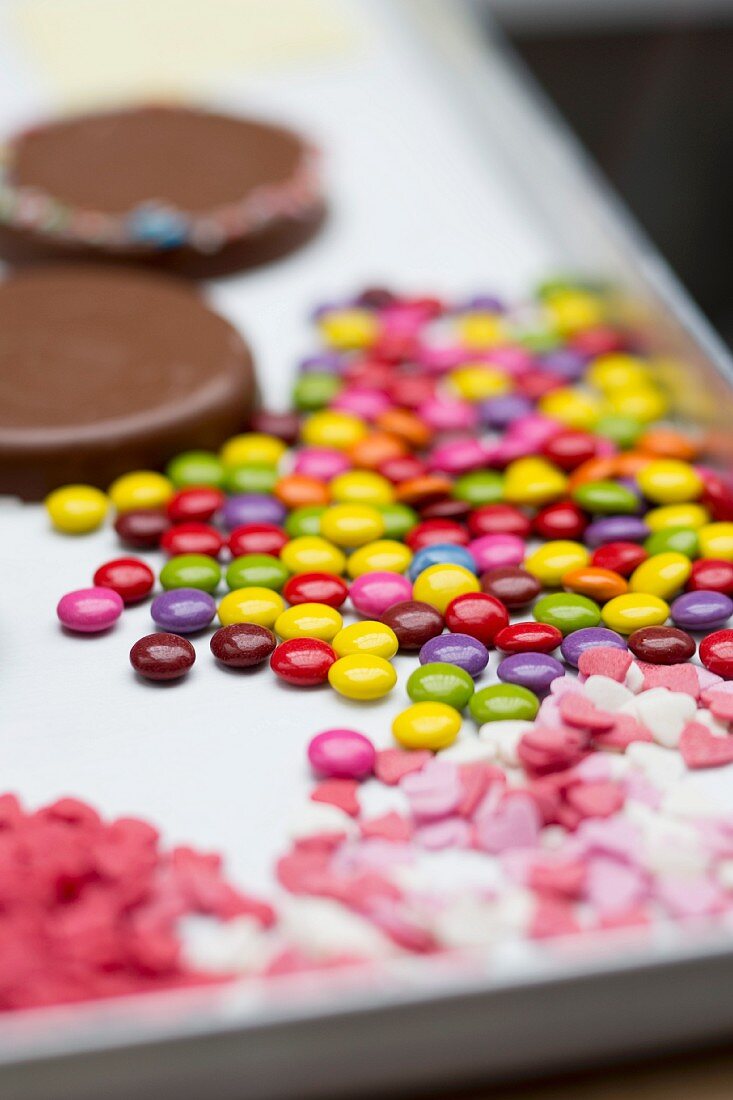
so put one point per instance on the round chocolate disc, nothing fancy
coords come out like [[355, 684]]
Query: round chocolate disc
[[104, 370], [195, 192]]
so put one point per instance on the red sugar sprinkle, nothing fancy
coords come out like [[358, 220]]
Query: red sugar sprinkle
[[338, 792], [392, 764], [605, 660], [90, 908], [681, 678], [702, 749]]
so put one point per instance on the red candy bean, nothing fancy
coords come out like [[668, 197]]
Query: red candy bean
[[242, 645], [716, 653], [570, 449], [316, 588], [192, 538], [712, 574], [432, 531], [256, 538], [162, 656], [562, 520], [529, 637], [197, 504], [141, 529], [303, 661], [478, 614], [130, 578], [498, 519], [619, 557]]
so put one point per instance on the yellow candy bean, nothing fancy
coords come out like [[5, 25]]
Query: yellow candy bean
[[481, 330], [366, 637], [431, 726], [349, 329], [693, 516], [479, 383], [362, 676], [552, 560], [331, 428], [77, 509], [141, 489], [251, 605], [439, 584], [669, 481], [533, 481], [618, 371], [309, 620], [382, 556], [252, 449], [632, 611], [361, 487], [661, 575], [312, 554], [716, 541], [574, 407], [352, 525]]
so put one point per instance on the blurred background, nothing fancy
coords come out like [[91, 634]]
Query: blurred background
[[646, 86]]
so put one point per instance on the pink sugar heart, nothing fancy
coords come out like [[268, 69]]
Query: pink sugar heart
[[596, 799], [475, 782], [338, 792], [625, 730], [392, 827], [720, 704], [702, 749], [614, 836], [612, 886], [639, 788], [451, 832], [549, 712], [564, 685], [551, 750], [515, 824], [682, 678], [605, 660], [684, 898], [578, 711], [563, 877], [553, 917], [435, 791], [723, 687], [392, 764], [707, 679]]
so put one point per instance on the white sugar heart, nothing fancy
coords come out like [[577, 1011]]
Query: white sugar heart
[[607, 694], [505, 735], [659, 764], [665, 714]]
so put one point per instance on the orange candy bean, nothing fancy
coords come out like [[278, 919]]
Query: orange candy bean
[[300, 490], [599, 584]]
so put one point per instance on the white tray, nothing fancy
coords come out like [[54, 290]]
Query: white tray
[[447, 174]]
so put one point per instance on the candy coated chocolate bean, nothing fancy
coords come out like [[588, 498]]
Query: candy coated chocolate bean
[[414, 623], [162, 656], [599, 584], [562, 520], [192, 538], [662, 645], [478, 614], [512, 585], [183, 610], [716, 653], [534, 671], [528, 638], [431, 531], [304, 662], [362, 676], [242, 645], [567, 611], [456, 649], [256, 538], [141, 529], [130, 578], [428, 725], [587, 638], [197, 504], [260, 570], [316, 588], [342, 754], [89, 610], [619, 557], [616, 529], [439, 682], [713, 574], [191, 571], [503, 702], [498, 519], [701, 610]]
